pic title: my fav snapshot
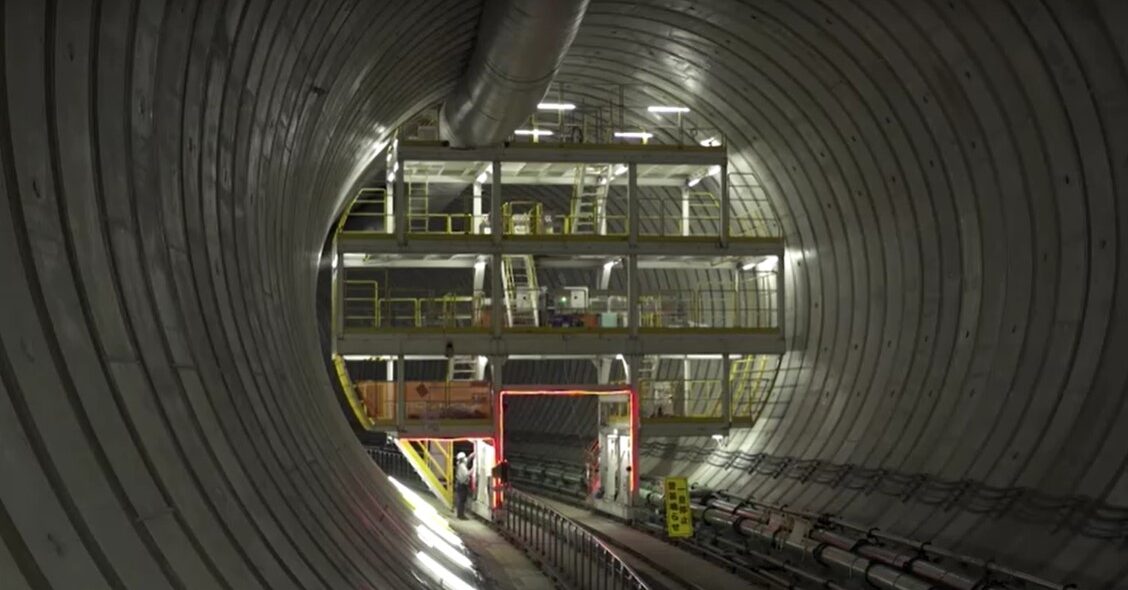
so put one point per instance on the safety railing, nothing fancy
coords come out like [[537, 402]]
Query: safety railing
[[681, 399], [708, 309], [367, 308], [574, 554], [426, 400], [392, 462], [440, 224]]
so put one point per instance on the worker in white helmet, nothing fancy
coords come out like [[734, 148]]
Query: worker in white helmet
[[461, 482]]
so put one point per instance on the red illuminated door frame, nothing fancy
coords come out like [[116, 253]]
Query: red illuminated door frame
[[632, 399]]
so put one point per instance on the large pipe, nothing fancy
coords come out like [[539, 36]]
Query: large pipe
[[521, 44]]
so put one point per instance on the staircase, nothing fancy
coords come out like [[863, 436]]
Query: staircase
[[462, 368], [746, 381], [519, 278], [588, 213], [433, 460]]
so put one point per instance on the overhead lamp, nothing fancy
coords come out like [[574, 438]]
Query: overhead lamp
[[768, 264], [714, 170], [710, 142], [556, 106], [693, 181], [634, 134], [533, 132], [619, 170], [667, 109]]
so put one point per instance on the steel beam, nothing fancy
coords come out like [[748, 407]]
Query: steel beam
[[562, 342], [577, 153]]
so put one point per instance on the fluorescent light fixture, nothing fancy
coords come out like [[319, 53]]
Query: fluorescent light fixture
[[533, 132], [710, 142], [556, 106], [715, 170], [768, 265], [718, 437], [445, 576], [667, 109], [620, 170], [693, 181], [433, 541], [634, 134]]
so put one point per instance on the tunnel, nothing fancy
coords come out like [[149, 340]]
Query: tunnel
[[949, 177]]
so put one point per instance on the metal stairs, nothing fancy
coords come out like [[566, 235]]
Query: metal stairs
[[589, 201], [433, 460], [519, 279], [746, 382]]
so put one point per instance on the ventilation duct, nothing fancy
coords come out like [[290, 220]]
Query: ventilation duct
[[520, 46]]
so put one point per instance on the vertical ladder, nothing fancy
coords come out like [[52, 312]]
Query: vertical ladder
[[433, 460], [418, 207], [519, 278], [462, 368], [589, 201]]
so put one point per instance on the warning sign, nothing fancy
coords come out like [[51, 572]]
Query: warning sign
[[679, 515]]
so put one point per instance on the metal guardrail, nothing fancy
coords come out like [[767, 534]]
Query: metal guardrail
[[579, 558]]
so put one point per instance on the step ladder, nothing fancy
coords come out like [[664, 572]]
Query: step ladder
[[433, 460], [462, 368], [746, 382], [588, 213], [418, 207], [519, 279]]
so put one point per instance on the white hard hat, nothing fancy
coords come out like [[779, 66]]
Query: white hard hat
[[460, 456]]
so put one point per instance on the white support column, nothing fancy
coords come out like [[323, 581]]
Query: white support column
[[497, 296], [739, 298], [496, 229], [725, 205], [400, 203], [726, 388], [633, 206], [685, 211], [476, 218]]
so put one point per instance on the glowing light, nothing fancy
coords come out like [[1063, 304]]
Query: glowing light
[[634, 134], [445, 576], [710, 142], [667, 109], [693, 181], [433, 541], [556, 106], [768, 265], [481, 178], [620, 170], [715, 170], [533, 132]]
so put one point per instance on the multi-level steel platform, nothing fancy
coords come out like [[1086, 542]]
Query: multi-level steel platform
[[541, 252]]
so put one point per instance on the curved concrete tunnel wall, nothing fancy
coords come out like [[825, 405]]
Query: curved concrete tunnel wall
[[949, 175]]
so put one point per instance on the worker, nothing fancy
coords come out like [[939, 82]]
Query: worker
[[461, 483]]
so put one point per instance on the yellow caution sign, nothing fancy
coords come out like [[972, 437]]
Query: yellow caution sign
[[679, 515]]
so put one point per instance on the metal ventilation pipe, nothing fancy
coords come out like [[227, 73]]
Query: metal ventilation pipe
[[521, 44]]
